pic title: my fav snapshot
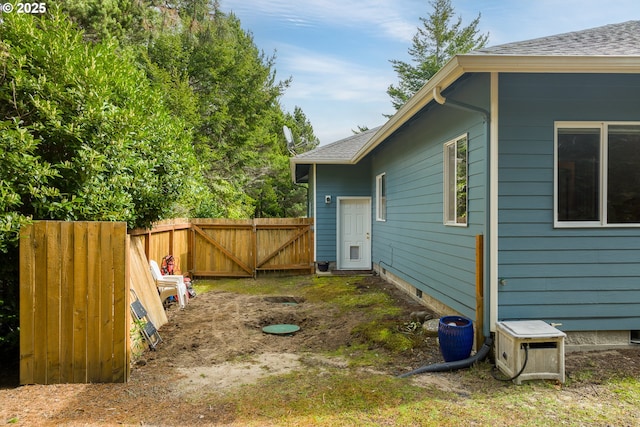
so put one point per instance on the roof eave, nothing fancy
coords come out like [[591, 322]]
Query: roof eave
[[321, 161], [550, 63], [486, 63], [293, 162]]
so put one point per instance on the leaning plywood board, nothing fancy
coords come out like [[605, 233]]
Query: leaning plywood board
[[143, 284]]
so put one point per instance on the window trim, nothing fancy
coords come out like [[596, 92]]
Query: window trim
[[603, 126], [381, 200], [445, 181]]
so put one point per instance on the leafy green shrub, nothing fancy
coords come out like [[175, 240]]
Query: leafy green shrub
[[113, 149]]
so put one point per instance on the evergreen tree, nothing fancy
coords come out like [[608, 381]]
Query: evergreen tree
[[438, 40], [123, 20], [238, 119], [223, 88]]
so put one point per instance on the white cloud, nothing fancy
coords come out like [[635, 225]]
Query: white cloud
[[327, 77], [391, 18]]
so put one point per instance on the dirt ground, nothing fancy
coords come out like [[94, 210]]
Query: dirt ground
[[217, 343]]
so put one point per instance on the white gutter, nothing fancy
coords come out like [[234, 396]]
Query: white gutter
[[437, 96]]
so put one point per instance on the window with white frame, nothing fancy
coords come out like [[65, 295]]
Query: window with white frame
[[455, 181], [381, 197], [597, 174]]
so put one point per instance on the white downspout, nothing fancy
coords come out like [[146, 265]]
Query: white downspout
[[493, 205], [491, 223], [315, 214], [437, 96]]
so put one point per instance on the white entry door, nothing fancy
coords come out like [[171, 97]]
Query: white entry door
[[354, 233]]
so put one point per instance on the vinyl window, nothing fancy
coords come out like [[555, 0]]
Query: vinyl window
[[381, 197], [597, 174], [455, 181]]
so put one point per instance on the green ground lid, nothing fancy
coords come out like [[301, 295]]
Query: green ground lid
[[283, 329]]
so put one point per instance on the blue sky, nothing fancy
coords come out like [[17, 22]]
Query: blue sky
[[338, 51]]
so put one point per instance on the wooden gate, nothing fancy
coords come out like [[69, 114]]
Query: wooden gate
[[242, 248]]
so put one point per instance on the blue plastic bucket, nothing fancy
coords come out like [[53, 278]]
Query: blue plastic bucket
[[455, 334]]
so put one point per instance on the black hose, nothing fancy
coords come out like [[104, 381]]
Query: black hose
[[524, 365], [454, 366]]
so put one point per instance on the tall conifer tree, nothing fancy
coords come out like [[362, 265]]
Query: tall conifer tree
[[440, 37]]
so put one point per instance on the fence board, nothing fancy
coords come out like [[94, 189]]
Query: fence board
[[66, 295], [52, 303], [27, 299], [39, 310], [93, 304], [180, 250], [241, 248], [80, 286], [121, 342], [159, 245], [107, 261]]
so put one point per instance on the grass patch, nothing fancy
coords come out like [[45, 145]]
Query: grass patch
[[259, 286], [339, 397], [326, 395], [385, 334], [360, 354], [334, 396], [626, 389]]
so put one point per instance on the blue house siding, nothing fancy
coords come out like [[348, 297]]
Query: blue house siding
[[585, 278], [413, 243], [336, 181]]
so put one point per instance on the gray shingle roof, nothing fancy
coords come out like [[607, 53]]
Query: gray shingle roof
[[612, 40], [342, 150]]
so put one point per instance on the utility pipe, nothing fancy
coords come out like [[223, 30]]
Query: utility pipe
[[437, 96], [458, 364]]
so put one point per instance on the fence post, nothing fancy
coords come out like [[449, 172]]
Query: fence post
[[479, 290], [254, 247]]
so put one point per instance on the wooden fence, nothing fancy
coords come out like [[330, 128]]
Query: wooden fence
[[76, 277], [233, 248], [74, 310], [244, 248]]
